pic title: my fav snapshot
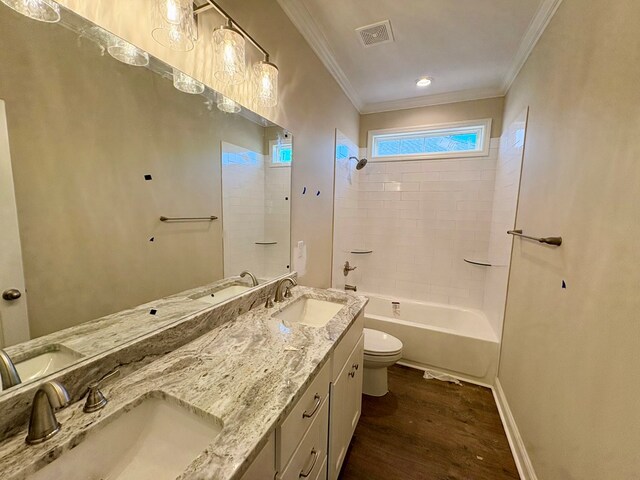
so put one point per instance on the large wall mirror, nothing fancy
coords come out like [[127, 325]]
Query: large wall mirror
[[93, 152]]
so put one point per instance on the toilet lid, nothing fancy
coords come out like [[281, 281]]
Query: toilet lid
[[380, 343]]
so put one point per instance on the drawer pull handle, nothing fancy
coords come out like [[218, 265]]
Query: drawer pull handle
[[314, 454], [315, 407], [356, 366], [352, 373]]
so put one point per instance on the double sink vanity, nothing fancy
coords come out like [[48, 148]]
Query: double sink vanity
[[131, 190], [269, 390]]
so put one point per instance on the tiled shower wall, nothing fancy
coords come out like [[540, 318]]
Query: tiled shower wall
[[420, 219], [255, 202], [277, 219], [243, 216]]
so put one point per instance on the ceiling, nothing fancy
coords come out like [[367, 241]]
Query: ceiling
[[471, 48]]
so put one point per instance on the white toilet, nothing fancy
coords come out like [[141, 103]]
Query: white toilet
[[381, 350]]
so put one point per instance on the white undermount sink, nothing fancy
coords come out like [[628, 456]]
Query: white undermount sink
[[309, 311], [156, 440], [52, 359], [223, 294]]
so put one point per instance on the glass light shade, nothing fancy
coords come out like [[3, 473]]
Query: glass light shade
[[187, 84], [266, 84], [227, 105], [174, 24], [229, 48], [126, 53], [41, 10]]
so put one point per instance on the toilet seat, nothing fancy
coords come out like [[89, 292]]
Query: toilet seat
[[380, 344]]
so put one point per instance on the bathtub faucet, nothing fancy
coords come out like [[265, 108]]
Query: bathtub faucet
[[347, 268], [353, 288]]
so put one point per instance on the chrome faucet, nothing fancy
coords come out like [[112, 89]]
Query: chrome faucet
[[43, 424], [353, 288], [8, 372], [254, 280], [280, 295]]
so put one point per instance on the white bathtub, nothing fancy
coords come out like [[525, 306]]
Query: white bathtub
[[452, 339]]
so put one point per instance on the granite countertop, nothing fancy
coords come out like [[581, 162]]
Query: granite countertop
[[96, 336], [248, 373]]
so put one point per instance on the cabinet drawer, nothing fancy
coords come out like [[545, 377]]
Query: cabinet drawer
[[346, 345], [309, 458], [303, 414]]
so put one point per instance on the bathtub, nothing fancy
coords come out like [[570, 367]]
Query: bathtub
[[455, 340]]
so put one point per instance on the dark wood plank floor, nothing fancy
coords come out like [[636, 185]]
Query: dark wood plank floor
[[429, 430]]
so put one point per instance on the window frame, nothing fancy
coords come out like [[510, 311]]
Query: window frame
[[272, 164], [485, 124]]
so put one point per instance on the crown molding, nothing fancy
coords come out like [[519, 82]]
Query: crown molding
[[306, 25], [430, 100], [302, 19], [538, 25]]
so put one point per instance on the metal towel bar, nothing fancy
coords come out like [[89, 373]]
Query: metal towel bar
[[555, 241], [188, 219]]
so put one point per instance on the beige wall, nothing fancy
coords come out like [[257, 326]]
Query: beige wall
[[570, 365], [451, 112], [312, 105], [84, 129]]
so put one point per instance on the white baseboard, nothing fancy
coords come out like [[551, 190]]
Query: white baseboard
[[520, 455]]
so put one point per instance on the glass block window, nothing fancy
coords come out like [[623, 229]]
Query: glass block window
[[282, 154], [443, 141]]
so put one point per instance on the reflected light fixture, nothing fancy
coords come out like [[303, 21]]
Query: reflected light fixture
[[174, 24], [41, 10], [424, 82], [225, 104], [230, 60], [126, 52], [187, 84], [266, 83]]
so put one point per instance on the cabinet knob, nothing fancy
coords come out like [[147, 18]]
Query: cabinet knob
[[11, 294]]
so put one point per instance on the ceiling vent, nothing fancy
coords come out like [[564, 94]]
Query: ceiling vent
[[376, 34]]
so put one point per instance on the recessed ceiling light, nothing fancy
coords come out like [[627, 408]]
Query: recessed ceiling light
[[423, 82]]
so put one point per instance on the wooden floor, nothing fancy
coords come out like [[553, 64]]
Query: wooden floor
[[429, 430]]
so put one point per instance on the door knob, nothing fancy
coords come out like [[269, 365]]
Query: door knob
[[11, 294]]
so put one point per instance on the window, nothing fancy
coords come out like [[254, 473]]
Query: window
[[440, 141], [281, 154]]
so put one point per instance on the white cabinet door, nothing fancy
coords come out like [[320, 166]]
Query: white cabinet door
[[264, 466], [346, 405], [14, 325]]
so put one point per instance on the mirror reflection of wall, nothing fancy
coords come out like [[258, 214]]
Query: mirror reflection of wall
[[99, 150], [256, 187]]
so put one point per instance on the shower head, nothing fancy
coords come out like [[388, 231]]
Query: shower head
[[361, 163]]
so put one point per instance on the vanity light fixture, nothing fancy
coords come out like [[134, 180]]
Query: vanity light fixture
[[229, 51], [42, 10], [187, 84], [266, 83], [125, 52], [229, 41], [424, 82], [174, 24], [225, 104]]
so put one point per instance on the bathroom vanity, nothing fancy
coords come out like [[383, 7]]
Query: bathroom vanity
[[254, 397]]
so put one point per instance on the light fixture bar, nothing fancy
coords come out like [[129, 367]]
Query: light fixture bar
[[211, 4]]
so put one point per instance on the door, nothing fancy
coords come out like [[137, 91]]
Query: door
[[14, 324], [346, 405]]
